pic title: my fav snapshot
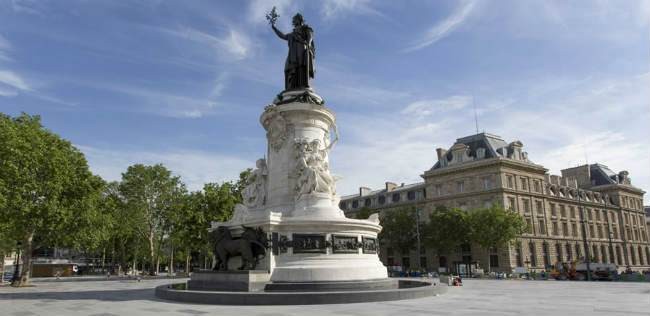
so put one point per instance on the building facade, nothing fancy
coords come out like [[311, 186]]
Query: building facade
[[482, 170]]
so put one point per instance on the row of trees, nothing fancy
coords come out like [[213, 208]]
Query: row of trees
[[447, 229], [49, 198]]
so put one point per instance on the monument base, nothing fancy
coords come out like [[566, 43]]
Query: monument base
[[241, 281]]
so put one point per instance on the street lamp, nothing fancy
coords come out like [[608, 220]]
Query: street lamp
[[417, 233], [583, 220]]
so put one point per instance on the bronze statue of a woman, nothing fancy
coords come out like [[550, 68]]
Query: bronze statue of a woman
[[299, 67]]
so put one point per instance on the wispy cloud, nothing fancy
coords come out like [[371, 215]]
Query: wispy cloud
[[26, 6], [334, 8], [194, 167], [428, 107], [232, 45], [444, 27], [169, 103], [13, 80]]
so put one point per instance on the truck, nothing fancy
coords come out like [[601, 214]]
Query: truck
[[578, 271]]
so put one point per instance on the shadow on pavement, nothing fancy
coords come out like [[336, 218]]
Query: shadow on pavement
[[110, 295]]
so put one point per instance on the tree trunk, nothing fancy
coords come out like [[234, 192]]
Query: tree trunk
[[171, 260], [152, 254], [103, 258], [135, 267], [157, 265], [187, 263], [2, 267], [26, 271]]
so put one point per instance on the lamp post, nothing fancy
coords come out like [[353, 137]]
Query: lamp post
[[417, 234], [583, 220]]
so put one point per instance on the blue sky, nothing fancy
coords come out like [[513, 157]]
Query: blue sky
[[184, 82]]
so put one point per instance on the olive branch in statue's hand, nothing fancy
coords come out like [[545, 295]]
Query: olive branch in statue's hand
[[272, 16]]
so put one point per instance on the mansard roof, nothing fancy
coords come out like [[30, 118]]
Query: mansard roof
[[480, 146]]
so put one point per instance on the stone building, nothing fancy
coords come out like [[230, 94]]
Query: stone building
[[483, 169]]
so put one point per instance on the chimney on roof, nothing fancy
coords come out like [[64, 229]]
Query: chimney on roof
[[441, 152], [363, 191], [390, 186]]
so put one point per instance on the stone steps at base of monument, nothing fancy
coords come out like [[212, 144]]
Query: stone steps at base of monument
[[365, 285], [407, 289]]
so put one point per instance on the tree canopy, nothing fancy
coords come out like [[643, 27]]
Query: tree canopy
[[49, 194]]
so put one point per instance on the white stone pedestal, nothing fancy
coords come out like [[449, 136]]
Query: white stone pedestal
[[292, 196]]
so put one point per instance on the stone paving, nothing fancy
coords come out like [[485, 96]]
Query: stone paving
[[477, 297]]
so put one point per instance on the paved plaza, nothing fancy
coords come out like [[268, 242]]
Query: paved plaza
[[477, 297]]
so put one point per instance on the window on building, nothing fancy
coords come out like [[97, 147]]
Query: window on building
[[594, 253], [641, 261], [524, 184], [592, 231], [423, 263], [619, 257], [355, 204], [406, 262], [604, 215], [442, 262], [578, 252], [565, 229], [546, 256], [614, 232], [562, 211], [529, 225], [511, 182], [603, 253], [589, 214], [367, 202], [526, 206], [597, 215], [532, 254], [600, 231], [553, 210], [569, 252], [511, 204], [541, 227], [395, 197], [555, 229], [381, 199], [487, 183], [574, 229], [439, 189], [537, 186], [460, 186], [572, 212], [518, 255], [558, 253], [494, 260], [410, 195]]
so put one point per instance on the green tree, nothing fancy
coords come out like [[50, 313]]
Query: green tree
[[151, 196], [398, 229], [446, 230], [48, 191], [364, 213], [494, 227]]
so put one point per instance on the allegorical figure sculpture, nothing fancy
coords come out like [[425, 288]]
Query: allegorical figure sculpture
[[299, 67], [254, 193], [312, 168]]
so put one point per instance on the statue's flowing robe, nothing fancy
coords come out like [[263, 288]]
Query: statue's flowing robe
[[299, 66]]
